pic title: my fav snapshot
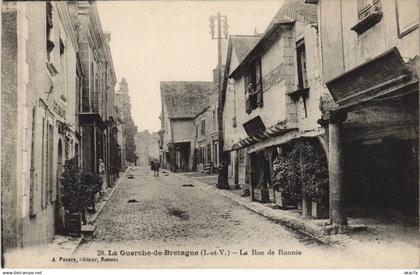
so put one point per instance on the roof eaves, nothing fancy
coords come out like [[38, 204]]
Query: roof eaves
[[260, 44]]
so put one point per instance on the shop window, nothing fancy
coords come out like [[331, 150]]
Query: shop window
[[241, 153], [253, 86], [203, 127]]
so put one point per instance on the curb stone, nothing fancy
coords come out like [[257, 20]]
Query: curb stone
[[292, 222], [93, 219]]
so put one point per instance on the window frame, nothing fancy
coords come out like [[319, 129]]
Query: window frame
[[402, 33], [253, 75]]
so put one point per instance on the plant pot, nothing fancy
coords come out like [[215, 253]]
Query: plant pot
[[280, 200], [262, 195], [284, 202], [73, 223], [320, 210], [299, 205]]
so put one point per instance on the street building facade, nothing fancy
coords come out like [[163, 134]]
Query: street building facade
[[348, 92], [147, 147], [272, 96], [370, 66], [57, 104], [41, 80], [182, 101], [96, 114]]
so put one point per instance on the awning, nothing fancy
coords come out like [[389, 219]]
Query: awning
[[369, 79]]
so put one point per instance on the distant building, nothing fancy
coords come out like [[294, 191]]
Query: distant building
[[147, 147], [182, 101]]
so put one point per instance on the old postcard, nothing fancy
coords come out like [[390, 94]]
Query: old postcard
[[210, 134]]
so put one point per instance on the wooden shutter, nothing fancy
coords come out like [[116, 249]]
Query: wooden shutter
[[248, 108], [33, 177], [52, 186], [258, 79]]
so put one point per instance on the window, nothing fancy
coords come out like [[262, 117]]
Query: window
[[196, 131], [49, 25], [302, 73], [369, 14], [203, 127], [241, 153], [407, 16], [365, 7], [63, 70], [214, 120], [253, 86]]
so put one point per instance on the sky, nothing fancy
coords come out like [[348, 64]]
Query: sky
[[153, 41]]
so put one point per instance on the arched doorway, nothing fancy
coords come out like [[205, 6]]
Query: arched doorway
[[59, 212]]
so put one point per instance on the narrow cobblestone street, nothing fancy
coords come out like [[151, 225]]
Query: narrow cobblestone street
[[169, 214]]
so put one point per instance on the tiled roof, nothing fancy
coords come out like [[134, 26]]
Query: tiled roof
[[185, 99], [243, 44], [293, 10]]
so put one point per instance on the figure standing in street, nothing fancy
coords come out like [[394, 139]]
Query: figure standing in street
[[102, 172], [156, 168]]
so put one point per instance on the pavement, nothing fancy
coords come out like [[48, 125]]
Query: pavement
[[177, 221], [68, 244]]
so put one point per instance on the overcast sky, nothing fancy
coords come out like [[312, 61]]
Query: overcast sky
[[153, 41]]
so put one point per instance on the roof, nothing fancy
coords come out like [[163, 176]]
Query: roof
[[289, 12], [293, 10], [243, 44], [185, 99]]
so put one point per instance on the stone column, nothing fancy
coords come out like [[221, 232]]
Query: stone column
[[336, 172]]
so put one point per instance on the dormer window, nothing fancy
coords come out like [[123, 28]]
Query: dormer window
[[253, 86], [369, 14]]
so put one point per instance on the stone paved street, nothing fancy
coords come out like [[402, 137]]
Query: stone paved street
[[167, 213]]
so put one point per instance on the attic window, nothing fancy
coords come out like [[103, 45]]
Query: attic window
[[369, 14]]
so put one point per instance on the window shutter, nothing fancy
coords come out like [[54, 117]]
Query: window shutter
[[52, 183], [33, 178], [260, 98], [259, 83], [248, 105]]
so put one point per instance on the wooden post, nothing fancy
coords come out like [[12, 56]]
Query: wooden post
[[236, 170], [248, 176], [269, 156], [336, 172], [305, 203]]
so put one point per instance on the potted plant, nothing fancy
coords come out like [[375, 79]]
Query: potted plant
[[286, 179], [92, 185], [73, 196], [315, 176]]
